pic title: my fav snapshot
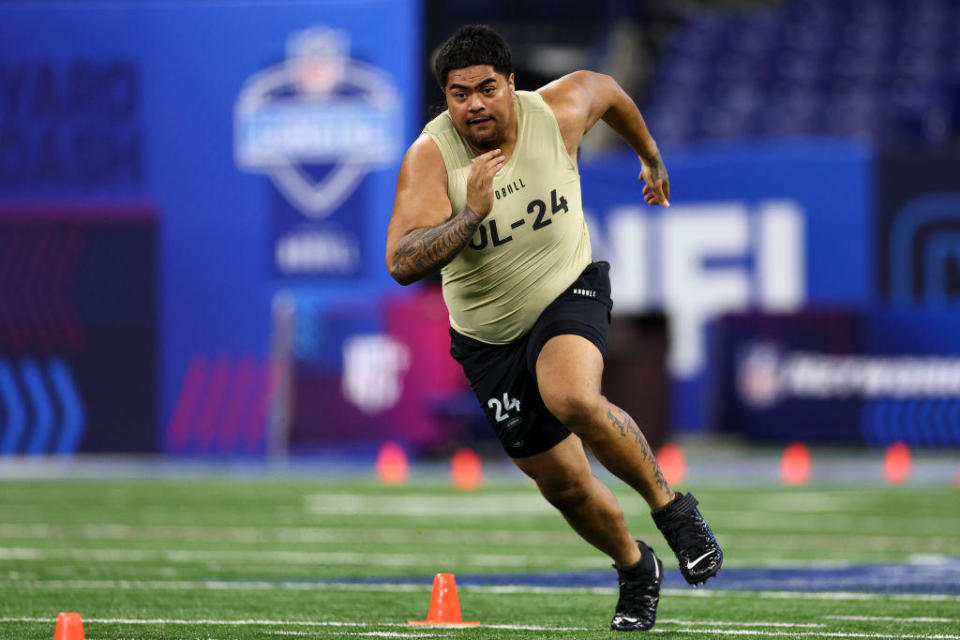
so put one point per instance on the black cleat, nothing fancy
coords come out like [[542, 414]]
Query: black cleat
[[690, 538], [639, 593]]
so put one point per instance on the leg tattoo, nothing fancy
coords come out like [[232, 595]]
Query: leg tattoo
[[625, 425]]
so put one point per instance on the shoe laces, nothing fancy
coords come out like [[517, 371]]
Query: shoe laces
[[687, 530], [634, 585]]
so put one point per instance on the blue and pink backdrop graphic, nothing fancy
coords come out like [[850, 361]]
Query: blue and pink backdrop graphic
[[177, 178]]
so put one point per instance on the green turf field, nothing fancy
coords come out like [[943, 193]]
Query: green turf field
[[234, 557]]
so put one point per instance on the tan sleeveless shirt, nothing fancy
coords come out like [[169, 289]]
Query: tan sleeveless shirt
[[532, 245]]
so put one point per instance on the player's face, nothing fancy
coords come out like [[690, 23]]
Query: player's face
[[481, 104]]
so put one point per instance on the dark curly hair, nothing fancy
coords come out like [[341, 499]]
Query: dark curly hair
[[472, 45]]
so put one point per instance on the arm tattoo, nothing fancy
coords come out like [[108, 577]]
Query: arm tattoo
[[625, 425], [657, 170], [425, 250]]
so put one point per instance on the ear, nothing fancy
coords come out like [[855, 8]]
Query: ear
[[510, 82]]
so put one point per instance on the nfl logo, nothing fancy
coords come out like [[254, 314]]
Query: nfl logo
[[318, 58]]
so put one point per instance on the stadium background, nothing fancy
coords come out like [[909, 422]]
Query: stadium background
[[193, 207], [185, 271]]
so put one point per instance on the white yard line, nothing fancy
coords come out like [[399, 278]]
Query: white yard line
[[933, 597], [301, 557], [799, 502], [393, 634], [891, 619], [308, 623], [811, 634], [187, 585], [934, 524], [733, 623], [704, 628], [208, 621], [306, 534], [367, 634], [178, 585], [822, 595], [519, 560], [792, 512], [840, 541], [434, 535], [855, 595], [428, 505]]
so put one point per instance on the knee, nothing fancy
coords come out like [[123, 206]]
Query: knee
[[573, 407], [566, 497], [577, 498]]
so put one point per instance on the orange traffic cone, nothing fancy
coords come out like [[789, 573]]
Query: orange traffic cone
[[795, 464], [392, 466], [69, 627], [673, 463], [466, 470], [444, 604], [897, 463]]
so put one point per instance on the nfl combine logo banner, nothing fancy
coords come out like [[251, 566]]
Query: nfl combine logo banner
[[317, 124]]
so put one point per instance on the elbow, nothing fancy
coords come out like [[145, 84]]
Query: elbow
[[402, 276], [402, 279], [392, 268]]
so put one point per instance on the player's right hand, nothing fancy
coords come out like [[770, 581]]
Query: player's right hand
[[480, 182]]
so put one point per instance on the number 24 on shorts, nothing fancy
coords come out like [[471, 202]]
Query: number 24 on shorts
[[502, 408]]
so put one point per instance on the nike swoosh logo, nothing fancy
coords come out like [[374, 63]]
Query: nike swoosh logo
[[691, 565]]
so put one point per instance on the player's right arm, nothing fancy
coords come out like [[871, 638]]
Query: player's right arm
[[423, 237]]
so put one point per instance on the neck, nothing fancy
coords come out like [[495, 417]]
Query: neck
[[506, 145]]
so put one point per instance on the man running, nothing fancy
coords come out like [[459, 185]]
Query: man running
[[490, 195]]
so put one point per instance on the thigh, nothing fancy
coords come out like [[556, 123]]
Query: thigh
[[567, 345], [582, 310], [569, 367], [508, 395]]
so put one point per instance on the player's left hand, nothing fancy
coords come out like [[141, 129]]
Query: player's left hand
[[656, 188]]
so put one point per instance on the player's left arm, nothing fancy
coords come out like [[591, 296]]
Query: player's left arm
[[581, 98]]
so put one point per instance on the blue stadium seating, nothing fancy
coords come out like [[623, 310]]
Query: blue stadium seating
[[883, 71]]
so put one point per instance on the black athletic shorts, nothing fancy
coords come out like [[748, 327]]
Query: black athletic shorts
[[503, 376]]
